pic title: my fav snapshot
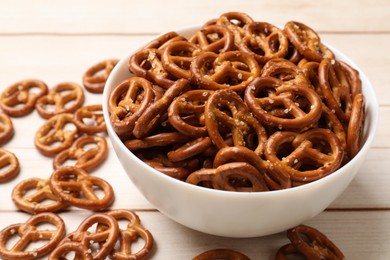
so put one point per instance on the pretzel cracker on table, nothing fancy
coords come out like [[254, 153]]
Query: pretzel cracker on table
[[71, 133], [196, 151]]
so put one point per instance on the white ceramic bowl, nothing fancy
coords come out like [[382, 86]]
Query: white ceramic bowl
[[235, 214]]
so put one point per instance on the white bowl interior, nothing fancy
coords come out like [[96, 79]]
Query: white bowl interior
[[234, 214]]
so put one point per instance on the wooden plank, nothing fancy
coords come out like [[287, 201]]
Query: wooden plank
[[368, 190], [34, 56], [55, 59], [68, 60], [382, 137], [25, 139], [153, 16], [371, 53], [57, 41], [34, 164], [359, 235]]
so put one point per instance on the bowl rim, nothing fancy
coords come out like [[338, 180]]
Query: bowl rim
[[372, 126]]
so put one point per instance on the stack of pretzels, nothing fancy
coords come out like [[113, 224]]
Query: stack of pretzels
[[95, 238], [74, 135], [240, 105]]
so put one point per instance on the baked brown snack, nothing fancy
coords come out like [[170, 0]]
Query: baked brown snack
[[186, 112], [236, 22], [153, 114], [105, 239], [158, 160], [73, 186], [65, 97], [147, 64], [336, 88], [28, 233], [279, 108], [235, 176], [313, 154], [177, 58], [19, 99], [307, 41], [264, 41], [131, 234], [227, 115], [83, 155], [96, 76], [55, 135], [232, 69], [274, 176], [32, 202], [214, 38], [89, 119], [287, 250], [221, 253], [279, 93], [99, 236], [310, 243], [127, 103], [355, 126], [80, 251], [6, 128], [9, 165]]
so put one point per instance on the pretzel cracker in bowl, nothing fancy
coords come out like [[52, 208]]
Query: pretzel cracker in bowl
[[270, 106], [269, 96]]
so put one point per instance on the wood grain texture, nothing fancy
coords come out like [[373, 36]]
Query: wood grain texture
[[153, 16], [359, 236], [54, 58], [57, 41]]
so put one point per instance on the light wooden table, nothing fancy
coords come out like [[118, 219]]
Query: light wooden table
[[57, 41]]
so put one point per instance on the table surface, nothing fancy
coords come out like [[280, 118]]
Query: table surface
[[56, 41]]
